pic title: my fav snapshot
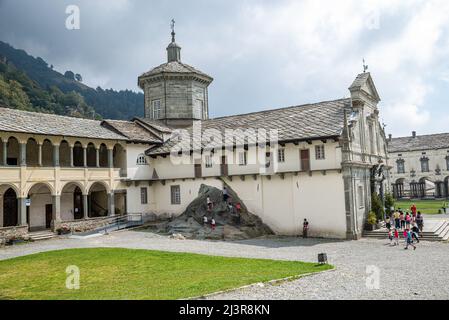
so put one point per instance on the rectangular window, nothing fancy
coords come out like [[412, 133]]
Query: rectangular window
[[143, 195], [208, 161], [156, 106], [319, 152], [281, 155], [243, 158], [425, 165], [176, 195], [360, 196], [447, 162], [401, 167]]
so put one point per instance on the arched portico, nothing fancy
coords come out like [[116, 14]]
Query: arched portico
[[74, 202], [9, 206], [99, 200], [41, 206]]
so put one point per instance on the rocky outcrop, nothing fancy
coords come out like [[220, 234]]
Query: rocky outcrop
[[231, 224]]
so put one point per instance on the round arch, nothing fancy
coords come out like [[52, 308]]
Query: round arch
[[43, 183], [101, 183], [41, 210], [98, 199], [75, 183]]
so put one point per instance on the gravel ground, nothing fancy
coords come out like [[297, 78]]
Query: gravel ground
[[403, 274]]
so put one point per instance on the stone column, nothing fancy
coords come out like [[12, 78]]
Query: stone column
[[71, 157], [111, 204], [56, 217], [5, 153], [111, 158], [22, 211], [85, 156], [39, 156], [56, 156], [85, 206], [23, 154], [97, 157]]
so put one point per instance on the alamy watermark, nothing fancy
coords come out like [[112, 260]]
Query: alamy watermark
[[256, 147], [373, 277], [73, 21], [72, 281]]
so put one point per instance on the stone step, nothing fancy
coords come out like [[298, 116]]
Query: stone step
[[43, 235]]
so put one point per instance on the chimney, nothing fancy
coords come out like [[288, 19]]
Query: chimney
[[390, 137], [414, 134]]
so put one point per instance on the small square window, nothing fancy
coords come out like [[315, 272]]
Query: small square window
[[319, 152]]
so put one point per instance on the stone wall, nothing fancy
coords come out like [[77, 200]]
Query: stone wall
[[83, 225], [13, 233]]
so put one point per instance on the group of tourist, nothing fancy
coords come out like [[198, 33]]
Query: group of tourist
[[409, 223], [233, 209]]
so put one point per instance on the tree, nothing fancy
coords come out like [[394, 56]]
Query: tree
[[389, 202], [377, 206], [69, 75]]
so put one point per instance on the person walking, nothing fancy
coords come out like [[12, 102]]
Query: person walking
[[420, 221], [205, 220], [415, 232], [305, 228], [408, 220], [388, 223], [397, 221], [402, 219], [409, 240], [413, 209], [390, 236], [396, 237], [213, 224]]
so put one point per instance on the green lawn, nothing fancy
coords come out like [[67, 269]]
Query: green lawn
[[425, 206], [136, 274]]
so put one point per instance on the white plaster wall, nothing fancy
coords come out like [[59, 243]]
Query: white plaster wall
[[135, 171], [67, 213], [281, 203], [37, 209]]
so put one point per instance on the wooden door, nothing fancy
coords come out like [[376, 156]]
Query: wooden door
[[48, 215], [10, 209], [224, 167], [198, 170], [78, 210], [305, 160]]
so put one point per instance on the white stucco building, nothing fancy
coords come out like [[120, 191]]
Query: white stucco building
[[317, 161]]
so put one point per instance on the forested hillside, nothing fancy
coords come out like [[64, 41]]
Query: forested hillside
[[29, 83]]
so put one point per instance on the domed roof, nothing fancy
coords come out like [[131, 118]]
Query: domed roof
[[175, 67]]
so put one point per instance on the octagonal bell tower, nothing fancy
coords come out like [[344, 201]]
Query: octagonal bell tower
[[175, 92]]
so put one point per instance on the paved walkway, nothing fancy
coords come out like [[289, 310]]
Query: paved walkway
[[422, 274]]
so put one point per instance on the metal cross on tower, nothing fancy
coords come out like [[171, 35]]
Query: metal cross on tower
[[365, 66], [172, 26]]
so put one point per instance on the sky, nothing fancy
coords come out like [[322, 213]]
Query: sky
[[262, 54]]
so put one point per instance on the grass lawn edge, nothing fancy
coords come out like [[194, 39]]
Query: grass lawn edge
[[270, 282]]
